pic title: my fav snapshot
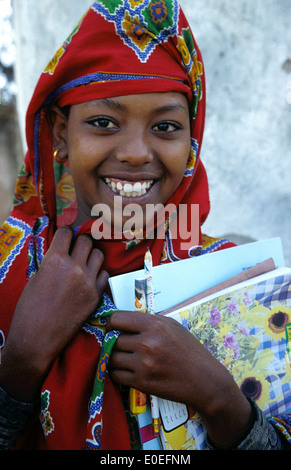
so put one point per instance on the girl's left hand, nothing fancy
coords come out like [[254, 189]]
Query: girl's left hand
[[154, 354], [158, 356]]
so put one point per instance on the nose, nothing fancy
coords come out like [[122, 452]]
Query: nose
[[134, 149]]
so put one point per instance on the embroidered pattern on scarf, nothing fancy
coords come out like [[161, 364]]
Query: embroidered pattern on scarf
[[13, 234], [142, 25]]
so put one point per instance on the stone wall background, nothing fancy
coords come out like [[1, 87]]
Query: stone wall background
[[246, 47], [10, 149]]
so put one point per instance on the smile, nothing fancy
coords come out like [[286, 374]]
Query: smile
[[129, 188]]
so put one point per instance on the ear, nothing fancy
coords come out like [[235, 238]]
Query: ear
[[59, 124]]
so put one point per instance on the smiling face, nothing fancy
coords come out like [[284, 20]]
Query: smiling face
[[134, 146]]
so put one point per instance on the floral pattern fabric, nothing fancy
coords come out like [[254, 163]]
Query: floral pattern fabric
[[247, 330]]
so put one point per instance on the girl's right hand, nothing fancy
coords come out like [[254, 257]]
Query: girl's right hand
[[52, 308]]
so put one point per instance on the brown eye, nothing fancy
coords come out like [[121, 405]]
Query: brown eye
[[103, 123], [165, 127]]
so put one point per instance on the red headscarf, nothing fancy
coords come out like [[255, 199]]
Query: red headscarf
[[119, 47]]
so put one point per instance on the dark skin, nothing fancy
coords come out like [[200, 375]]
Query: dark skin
[[155, 353], [69, 287], [155, 364]]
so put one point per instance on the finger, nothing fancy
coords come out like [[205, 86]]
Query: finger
[[123, 377], [127, 342], [122, 361], [95, 261], [62, 240], [102, 280], [132, 322], [82, 249]]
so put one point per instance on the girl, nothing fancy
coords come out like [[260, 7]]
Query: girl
[[118, 112]]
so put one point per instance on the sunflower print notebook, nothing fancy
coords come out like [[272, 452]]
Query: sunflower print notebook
[[248, 329]]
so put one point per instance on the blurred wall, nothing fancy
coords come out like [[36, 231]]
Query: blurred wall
[[246, 47]]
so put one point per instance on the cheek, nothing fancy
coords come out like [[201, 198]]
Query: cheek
[[176, 161], [81, 171], [82, 158]]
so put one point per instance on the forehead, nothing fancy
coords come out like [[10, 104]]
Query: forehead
[[149, 102]]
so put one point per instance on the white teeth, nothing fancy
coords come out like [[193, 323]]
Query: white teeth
[[137, 187], [129, 189]]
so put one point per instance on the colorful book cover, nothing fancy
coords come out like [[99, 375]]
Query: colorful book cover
[[248, 329]]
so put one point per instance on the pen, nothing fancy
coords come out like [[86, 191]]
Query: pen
[[148, 264], [137, 399]]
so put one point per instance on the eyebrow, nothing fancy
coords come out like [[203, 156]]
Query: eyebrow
[[170, 107]]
